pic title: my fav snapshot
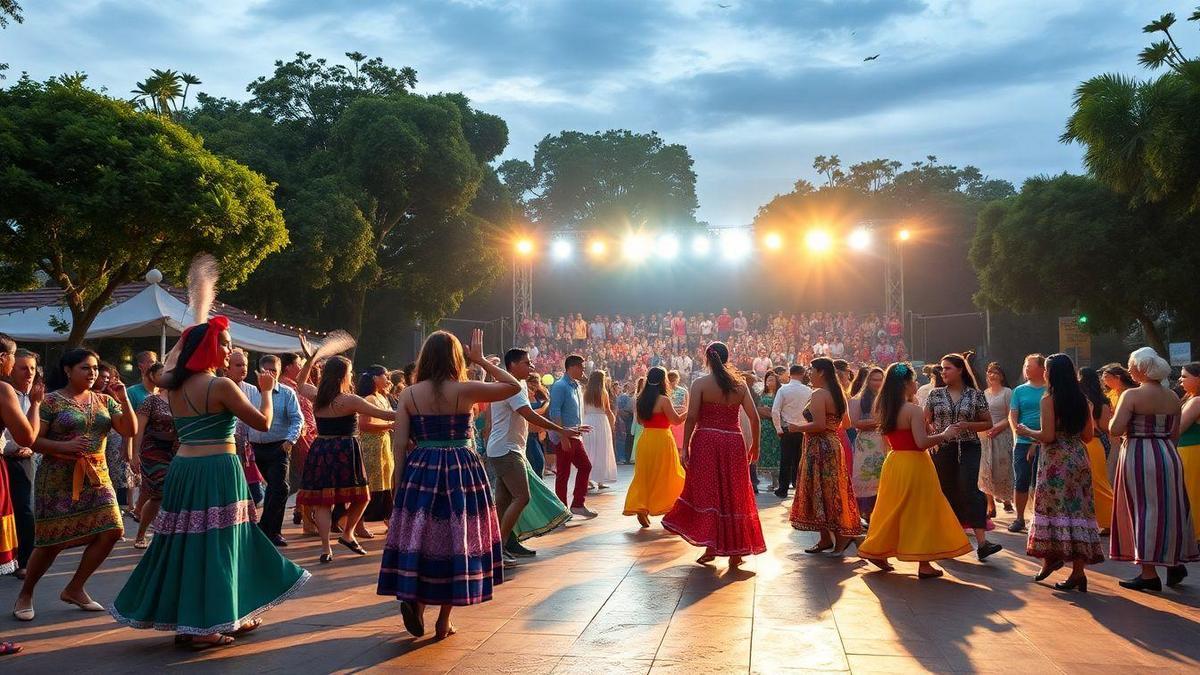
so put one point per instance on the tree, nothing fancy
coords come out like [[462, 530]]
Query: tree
[[10, 10], [611, 180], [1070, 244], [94, 194]]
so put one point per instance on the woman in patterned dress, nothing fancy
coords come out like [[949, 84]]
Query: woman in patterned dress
[[118, 450], [1064, 517], [996, 455], [1152, 521], [869, 450], [157, 444], [443, 545], [74, 500], [768, 452], [375, 436]]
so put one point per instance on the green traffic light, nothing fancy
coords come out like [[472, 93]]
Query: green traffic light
[[1083, 319]]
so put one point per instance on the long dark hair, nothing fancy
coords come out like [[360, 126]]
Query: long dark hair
[[859, 381], [829, 375], [968, 375], [1118, 371], [893, 395], [334, 375], [57, 378], [1089, 382], [1070, 404], [656, 385], [717, 357], [867, 402], [366, 380], [191, 342]]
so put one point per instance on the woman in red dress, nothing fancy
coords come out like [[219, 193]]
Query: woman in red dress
[[717, 509]]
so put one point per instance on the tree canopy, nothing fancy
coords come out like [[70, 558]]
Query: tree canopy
[[94, 194], [606, 180]]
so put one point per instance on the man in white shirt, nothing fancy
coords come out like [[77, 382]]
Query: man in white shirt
[[706, 329], [788, 413], [510, 421]]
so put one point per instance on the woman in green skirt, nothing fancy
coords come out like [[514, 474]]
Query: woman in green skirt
[[544, 513], [768, 458], [209, 572]]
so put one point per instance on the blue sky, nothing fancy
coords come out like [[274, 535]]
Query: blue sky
[[754, 90]]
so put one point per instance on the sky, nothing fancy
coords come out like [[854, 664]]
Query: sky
[[754, 89]]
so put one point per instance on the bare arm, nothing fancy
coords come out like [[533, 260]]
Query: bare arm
[[143, 420], [353, 403], [673, 415], [22, 426], [689, 424], [1191, 412], [1120, 420], [1089, 428], [537, 420], [917, 418], [755, 426], [400, 440], [861, 421], [1014, 421], [230, 395], [982, 421], [817, 407], [1047, 433]]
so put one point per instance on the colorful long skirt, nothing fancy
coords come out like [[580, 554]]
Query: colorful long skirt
[[8, 525], [1189, 458], [209, 568], [155, 460], [379, 466], [869, 453], [912, 520], [658, 477], [333, 473], [1152, 520], [1064, 515], [768, 445], [717, 509], [443, 545], [824, 499], [1102, 492], [996, 465], [73, 501], [598, 444], [544, 512]]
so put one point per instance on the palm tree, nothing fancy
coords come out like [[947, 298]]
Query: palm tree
[[188, 80]]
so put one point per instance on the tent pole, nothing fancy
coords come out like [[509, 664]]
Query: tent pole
[[162, 340]]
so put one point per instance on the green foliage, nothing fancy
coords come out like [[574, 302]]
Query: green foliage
[[10, 10], [94, 194], [611, 180]]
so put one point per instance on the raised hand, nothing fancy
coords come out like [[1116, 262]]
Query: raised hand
[[475, 354], [266, 382], [116, 389], [37, 393], [305, 349]]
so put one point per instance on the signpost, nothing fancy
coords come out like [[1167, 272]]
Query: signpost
[[1181, 353], [1074, 341]]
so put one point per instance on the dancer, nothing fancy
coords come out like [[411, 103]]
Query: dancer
[[1152, 521], [1116, 380], [788, 413], [75, 503], [334, 472], [912, 520], [962, 404], [1098, 447], [1025, 409], [18, 457], [598, 442], [1189, 438], [996, 444], [443, 545], [273, 448], [824, 500], [658, 475], [716, 508], [157, 444], [566, 409], [768, 446], [1064, 522], [525, 506], [375, 437], [118, 449], [210, 572], [290, 365], [535, 446], [869, 451]]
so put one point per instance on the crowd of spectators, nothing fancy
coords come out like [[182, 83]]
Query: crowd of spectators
[[626, 345]]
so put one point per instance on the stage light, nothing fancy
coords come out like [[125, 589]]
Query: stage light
[[773, 241], [859, 239], [701, 245], [668, 246], [597, 247], [633, 248], [818, 241], [524, 246], [561, 249], [735, 244], [903, 235]]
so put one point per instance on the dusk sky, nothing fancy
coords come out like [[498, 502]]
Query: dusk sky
[[754, 90]]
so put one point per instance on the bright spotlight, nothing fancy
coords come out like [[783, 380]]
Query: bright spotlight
[[859, 239], [735, 244], [701, 245], [524, 246], [561, 249], [634, 248], [597, 247], [668, 246], [903, 235], [773, 241], [818, 241]]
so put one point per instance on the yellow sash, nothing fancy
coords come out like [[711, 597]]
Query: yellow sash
[[91, 468]]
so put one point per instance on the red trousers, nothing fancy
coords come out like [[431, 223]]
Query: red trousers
[[569, 452]]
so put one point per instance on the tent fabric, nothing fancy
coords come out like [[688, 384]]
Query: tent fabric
[[142, 315]]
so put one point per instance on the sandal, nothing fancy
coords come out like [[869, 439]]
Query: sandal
[[248, 627], [7, 648], [414, 621], [142, 543], [201, 645], [325, 558], [353, 546]]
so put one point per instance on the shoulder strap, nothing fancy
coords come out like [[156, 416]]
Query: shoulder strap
[[413, 397], [207, 393], [188, 400]]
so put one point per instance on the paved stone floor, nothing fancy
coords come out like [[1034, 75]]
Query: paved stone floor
[[606, 597]]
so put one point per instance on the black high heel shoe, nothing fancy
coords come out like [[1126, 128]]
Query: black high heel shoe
[[1176, 575], [1047, 571], [1075, 582], [1140, 584]]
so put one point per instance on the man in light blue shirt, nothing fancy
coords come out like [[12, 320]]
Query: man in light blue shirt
[[1026, 408], [566, 409], [273, 447]]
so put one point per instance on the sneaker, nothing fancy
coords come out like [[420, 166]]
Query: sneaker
[[517, 550], [583, 512], [987, 549], [1017, 526]]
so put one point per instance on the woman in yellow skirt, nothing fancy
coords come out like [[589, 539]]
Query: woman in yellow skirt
[[1189, 438], [912, 520], [1099, 447], [657, 474], [375, 438]]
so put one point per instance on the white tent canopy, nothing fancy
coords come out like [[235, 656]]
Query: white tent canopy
[[151, 312]]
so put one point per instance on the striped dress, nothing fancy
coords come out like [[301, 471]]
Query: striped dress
[[1152, 523]]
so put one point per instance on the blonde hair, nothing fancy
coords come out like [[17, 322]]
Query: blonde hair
[[1152, 366]]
